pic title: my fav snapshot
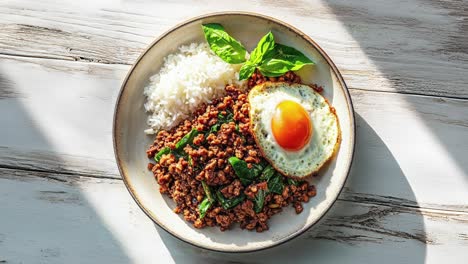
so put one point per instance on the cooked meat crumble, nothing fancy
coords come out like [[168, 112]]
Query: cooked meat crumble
[[212, 168]]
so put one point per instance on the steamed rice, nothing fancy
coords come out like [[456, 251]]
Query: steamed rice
[[188, 78]]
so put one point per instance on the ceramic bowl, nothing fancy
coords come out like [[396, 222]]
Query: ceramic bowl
[[130, 142]]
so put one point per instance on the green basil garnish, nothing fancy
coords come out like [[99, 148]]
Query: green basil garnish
[[257, 168], [246, 175], [208, 192], [281, 60], [204, 206], [241, 170], [262, 171], [229, 203], [246, 71], [179, 147], [162, 152], [214, 129], [222, 119], [223, 45], [267, 173], [264, 46], [292, 182], [275, 183], [228, 117], [272, 59], [187, 139], [259, 200]]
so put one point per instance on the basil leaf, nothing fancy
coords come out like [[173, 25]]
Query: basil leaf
[[213, 130], [275, 184], [246, 175], [229, 203], [264, 46], [187, 139], [204, 206], [274, 179], [180, 154], [246, 71], [208, 192], [223, 45], [259, 201], [179, 147], [293, 55], [222, 119], [225, 118], [162, 152], [257, 168], [281, 60], [275, 67], [267, 173], [292, 182], [241, 170]]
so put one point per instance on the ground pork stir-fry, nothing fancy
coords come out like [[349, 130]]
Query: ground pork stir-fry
[[212, 168]]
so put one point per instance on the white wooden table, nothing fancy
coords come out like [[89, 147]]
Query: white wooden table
[[61, 66]]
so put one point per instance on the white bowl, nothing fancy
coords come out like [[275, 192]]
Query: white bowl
[[130, 142]]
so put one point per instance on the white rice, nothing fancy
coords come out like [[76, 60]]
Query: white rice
[[188, 78]]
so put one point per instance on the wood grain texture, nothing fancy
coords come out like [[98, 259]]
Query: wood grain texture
[[401, 46], [62, 63], [408, 147], [405, 143], [81, 220]]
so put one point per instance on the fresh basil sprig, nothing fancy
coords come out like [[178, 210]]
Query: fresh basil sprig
[[259, 200], [274, 179], [270, 58], [222, 119], [178, 151], [208, 192], [242, 171], [229, 203], [223, 45], [246, 175], [265, 46], [281, 60], [292, 182], [187, 139], [204, 206], [207, 202], [246, 70], [275, 184], [162, 152]]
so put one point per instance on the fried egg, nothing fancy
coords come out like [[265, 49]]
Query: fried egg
[[294, 126]]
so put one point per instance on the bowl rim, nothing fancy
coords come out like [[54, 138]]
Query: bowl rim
[[270, 19]]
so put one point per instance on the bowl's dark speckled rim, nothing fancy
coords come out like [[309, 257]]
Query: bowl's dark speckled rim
[[270, 19]]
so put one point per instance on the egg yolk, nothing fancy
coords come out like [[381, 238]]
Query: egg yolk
[[291, 125]]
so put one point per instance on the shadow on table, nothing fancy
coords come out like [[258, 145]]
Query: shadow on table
[[354, 229], [45, 217], [416, 40]]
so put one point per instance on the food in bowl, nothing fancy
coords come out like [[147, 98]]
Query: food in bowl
[[295, 127], [216, 151], [188, 78]]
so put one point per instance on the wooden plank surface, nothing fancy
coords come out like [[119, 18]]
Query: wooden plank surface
[[408, 147], [400, 46], [62, 63], [56, 218]]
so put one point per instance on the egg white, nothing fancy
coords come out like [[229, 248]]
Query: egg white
[[325, 139]]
